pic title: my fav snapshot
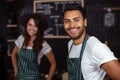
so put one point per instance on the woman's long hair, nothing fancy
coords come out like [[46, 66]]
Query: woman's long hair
[[41, 24]]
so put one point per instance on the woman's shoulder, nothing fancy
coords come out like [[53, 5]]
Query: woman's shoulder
[[20, 37], [46, 48], [45, 43], [19, 41]]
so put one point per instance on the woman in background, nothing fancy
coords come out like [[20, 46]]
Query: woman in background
[[28, 47]]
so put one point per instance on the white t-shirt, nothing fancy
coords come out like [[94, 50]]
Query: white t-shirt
[[95, 54], [46, 47]]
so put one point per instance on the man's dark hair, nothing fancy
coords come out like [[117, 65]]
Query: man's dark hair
[[75, 6]]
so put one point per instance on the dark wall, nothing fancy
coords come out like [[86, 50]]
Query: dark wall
[[3, 19], [100, 26], [3, 40], [59, 48]]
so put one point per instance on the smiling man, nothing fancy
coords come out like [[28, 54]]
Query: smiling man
[[89, 58]]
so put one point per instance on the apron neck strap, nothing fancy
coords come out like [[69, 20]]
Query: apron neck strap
[[83, 46]]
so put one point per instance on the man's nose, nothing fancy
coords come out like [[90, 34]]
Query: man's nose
[[72, 24]]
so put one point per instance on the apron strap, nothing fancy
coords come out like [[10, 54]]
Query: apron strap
[[81, 54], [83, 46]]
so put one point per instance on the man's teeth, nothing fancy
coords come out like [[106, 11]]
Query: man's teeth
[[73, 30]]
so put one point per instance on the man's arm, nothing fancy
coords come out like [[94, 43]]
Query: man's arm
[[112, 69]]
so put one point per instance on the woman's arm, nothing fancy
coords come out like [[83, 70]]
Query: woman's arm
[[14, 59], [52, 61]]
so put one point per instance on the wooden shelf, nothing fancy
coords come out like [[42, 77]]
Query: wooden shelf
[[11, 40], [54, 37], [11, 25], [112, 8], [67, 37], [10, 0]]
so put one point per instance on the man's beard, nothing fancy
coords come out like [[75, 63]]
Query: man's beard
[[77, 36]]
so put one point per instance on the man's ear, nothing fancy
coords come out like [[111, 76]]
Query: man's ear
[[85, 22]]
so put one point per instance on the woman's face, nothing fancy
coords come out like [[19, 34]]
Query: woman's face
[[31, 27]]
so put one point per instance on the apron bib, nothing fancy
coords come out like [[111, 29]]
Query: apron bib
[[27, 65], [74, 64]]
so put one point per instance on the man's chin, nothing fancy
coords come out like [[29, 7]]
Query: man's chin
[[74, 37]]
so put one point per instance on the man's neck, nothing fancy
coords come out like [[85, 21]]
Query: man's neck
[[79, 40]]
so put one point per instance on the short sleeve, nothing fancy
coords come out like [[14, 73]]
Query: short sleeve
[[19, 41], [102, 54], [46, 49]]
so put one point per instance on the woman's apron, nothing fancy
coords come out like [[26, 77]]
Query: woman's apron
[[27, 65], [74, 64]]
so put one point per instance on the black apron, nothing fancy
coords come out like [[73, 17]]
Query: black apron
[[74, 64]]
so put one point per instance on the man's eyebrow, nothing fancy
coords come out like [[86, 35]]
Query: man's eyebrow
[[65, 19], [73, 18], [76, 17]]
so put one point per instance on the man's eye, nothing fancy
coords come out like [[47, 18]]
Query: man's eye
[[77, 20], [66, 21]]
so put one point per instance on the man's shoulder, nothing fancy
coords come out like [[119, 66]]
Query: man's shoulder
[[70, 42], [93, 42]]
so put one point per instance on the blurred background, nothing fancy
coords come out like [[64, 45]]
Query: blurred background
[[103, 22]]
